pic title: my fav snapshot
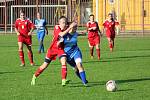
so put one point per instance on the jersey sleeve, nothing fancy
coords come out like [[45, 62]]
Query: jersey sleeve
[[30, 24], [16, 24], [57, 30], [116, 23], [104, 23], [88, 25], [44, 22]]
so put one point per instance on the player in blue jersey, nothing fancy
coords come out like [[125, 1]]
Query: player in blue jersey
[[41, 31], [74, 55]]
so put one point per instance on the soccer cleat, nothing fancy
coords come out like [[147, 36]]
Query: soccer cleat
[[63, 82], [22, 65], [92, 57], [67, 81], [85, 85], [33, 80], [32, 64], [39, 52], [111, 49]]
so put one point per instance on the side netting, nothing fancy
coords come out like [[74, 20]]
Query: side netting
[[50, 12]]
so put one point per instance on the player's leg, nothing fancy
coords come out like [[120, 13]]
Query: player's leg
[[21, 53], [41, 41], [81, 70], [91, 49], [72, 63], [110, 43], [30, 54], [78, 61], [63, 69], [40, 70], [97, 42], [113, 42], [98, 50]]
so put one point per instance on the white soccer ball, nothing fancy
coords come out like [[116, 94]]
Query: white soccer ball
[[111, 86]]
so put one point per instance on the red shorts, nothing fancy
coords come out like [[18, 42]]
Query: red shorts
[[52, 53], [94, 40], [110, 35], [25, 40]]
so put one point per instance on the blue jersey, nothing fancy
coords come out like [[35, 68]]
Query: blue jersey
[[40, 24], [70, 45]]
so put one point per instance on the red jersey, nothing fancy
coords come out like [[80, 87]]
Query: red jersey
[[110, 26], [55, 50], [92, 33], [56, 32], [23, 26]]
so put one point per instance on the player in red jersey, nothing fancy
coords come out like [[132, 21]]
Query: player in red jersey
[[109, 26], [24, 28], [56, 50], [93, 36]]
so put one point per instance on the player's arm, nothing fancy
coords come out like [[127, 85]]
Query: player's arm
[[46, 29], [68, 29], [117, 26], [16, 28], [88, 26], [31, 25]]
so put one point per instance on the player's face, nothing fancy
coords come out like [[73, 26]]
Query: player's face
[[91, 18], [110, 17], [38, 16], [63, 23], [22, 16]]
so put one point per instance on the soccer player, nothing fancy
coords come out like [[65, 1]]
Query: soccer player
[[93, 36], [56, 50], [109, 26], [41, 31], [24, 28], [74, 55]]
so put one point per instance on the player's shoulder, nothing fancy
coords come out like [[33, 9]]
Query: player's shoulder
[[106, 20], [18, 19], [57, 27], [88, 22], [28, 20]]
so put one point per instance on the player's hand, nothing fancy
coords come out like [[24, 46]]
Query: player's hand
[[18, 33], [90, 29], [73, 24], [30, 33]]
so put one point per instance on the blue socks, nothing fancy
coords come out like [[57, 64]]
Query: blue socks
[[83, 77]]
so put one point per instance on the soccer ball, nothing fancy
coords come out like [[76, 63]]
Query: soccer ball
[[111, 86]]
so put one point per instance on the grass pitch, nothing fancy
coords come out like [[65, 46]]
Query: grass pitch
[[129, 65]]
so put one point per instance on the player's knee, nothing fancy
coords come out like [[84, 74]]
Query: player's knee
[[78, 61], [47, 60]]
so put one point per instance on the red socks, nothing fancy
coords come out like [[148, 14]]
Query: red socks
[[30, 56], [110, 45], [98, 53], [21, 55], [64, 72], [38, 72]]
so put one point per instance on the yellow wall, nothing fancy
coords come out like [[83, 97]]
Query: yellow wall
[[128, 12]]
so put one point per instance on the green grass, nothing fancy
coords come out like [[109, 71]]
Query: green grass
[[129, 65]]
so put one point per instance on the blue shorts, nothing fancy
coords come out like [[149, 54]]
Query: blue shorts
[[76, 58], [40, 35]]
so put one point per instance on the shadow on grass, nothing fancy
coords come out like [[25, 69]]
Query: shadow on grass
[[117, 59], [7, 72], [137, 56], [132, 80]]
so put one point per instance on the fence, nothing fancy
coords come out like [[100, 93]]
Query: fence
[[50, 10], [133, 15]]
